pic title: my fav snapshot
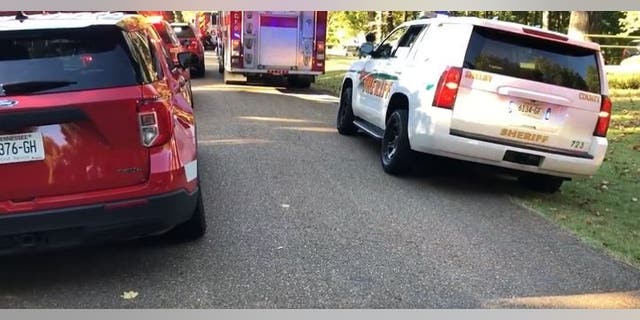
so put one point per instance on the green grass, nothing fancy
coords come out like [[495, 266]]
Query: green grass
[[604, 210], [600, 210]]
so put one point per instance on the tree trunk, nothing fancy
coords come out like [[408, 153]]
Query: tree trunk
[[578, 25], [545, 20]]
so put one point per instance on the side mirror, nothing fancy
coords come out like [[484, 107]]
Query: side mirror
[[366, 49], [186, 59]]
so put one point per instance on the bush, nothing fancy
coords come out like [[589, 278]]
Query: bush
[[624, 80]]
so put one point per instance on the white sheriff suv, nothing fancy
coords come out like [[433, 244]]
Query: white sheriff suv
[[485, 91]]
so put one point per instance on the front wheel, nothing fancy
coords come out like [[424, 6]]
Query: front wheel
[[345, 118], [396, 154]]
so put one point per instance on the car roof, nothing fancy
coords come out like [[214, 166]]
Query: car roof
[[507, 26], [73, 20]]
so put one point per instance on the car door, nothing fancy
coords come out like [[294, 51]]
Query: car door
[[370, 79], [392, 68]]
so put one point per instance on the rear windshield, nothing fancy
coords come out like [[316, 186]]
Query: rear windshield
[[534, 59], [184, 32], [75, 59]]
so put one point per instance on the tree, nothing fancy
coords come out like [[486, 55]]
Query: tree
[[578, 24], [178, 16], [630, 23]]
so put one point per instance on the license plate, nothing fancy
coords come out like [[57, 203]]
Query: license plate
[[22, 147], [528, 109]]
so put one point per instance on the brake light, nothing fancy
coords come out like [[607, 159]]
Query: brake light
[[235, 47], [447, 89], [604, 117], [154, 117], [320, 50]]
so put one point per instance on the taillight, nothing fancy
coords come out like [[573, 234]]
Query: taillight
[[235, 47], [447, 89], [320, 50], [604, 117], [156, 125]]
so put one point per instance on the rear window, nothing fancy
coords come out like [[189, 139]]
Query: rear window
[[72, 58], [184, 32], [533, 59]]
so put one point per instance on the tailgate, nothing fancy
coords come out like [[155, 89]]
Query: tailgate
[[71, 143], [70, 124], [528, 92]]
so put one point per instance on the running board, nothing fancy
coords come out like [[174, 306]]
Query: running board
[[368, 128]]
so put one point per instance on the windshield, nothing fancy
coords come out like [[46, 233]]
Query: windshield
[[57, 60], [184, 32], [533, 59]]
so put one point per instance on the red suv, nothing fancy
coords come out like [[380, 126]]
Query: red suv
[[189, 39], [97, 139]]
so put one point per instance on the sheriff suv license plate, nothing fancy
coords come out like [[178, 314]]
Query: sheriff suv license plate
[[22, 147]]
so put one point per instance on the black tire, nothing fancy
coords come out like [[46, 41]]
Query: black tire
[[194, 228], [395, 152], [345, 117], [200, 70], [541, 183]]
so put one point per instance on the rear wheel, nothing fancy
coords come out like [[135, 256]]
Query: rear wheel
[[541, 183], [396, 154], [200, 70], [345, 118], [195, 227]]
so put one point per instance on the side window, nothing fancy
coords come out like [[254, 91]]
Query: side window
[[390, 44], [154, 42], [167, 56], [407, 40], [141, 52], [172, 35]]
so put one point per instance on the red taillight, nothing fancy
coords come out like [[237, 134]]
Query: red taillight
[[604, 117], [156, 125], [447, 89], [320, 50]]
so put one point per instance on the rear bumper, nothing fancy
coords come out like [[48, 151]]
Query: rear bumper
[[105, 222], [429, 132]]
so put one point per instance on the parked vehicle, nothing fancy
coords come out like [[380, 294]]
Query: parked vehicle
[[277, 44], [97, 138], [485, 91], [189, 38], [172, 44]]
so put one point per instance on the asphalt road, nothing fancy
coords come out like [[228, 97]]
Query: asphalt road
[[301, 217]]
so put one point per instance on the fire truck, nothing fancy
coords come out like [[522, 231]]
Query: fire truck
[[203, 21], [265, 44]]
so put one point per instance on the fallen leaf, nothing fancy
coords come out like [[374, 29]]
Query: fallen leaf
[[553, 209], [605, 182], [588, 221], [634, 199], [604, 187], [562, 217], [129, 295], [598, 213], [284, 205], [636, 147]]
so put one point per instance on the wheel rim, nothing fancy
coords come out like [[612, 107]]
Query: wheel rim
[[392, 136]]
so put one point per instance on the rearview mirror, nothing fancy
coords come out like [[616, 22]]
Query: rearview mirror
[[366, 49], [186, 59]]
